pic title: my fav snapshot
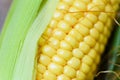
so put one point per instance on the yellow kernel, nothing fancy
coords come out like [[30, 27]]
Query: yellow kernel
[[87, 59], [53, 23], [97, 47], [63, 6], [39, 76], [41, 68], [80, 75], [99, 26], [94, 33], [48, 50], [101, 39], [84, 47], [97, 59], [45, 60], [74, 63], [91, 17], [102, 47], [49, 75], [76, 34], [63, 77], [90, 41], [93, 68], [85, 68], [86, 22], [48, 32], [92, 53], [103, 17], [55, 68], [71, 41], [53, 42], [41, 41], [57, 59], [58, 15], [64, 54], [90, 76], [80, 5], [106, 32], [108, 8], [70, 19], [65, 45], [59, 34], [82, 29], [64, 26], [77, 53], [69, 2], [70, 72]]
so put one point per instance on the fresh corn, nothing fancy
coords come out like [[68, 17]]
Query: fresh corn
[[71, 46]]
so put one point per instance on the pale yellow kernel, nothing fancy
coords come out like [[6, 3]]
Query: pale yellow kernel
[[90, 76], [87, 59], [69, 2], [48, 32], [85, 68], [106, 32], [70, 19], [90, 41], [65, 45], [58, 15], [80, 75], [39, 76], [77, 53], [80, 5], [84, 47], [41, 41], [102, 47], [70, 72], [101, 39], [48, 50], [94, 33], [63, 6], [72, 41], [49, 75], [99, 2], [41, 68], [45, 60], [92, 53], [82, 29], [74, 63], [91, 17], [103, 17], [97, 47], [86, 1], [57, 59], [109, 23], [63, 25], [99, 26], [59, 34], [55, 68], [76, 12], [93, 7], [53, 42], [76, 34], [63, 77], [87, 23], [64, 54], [93, 68], [108, 8], [97, 60], [53, 23]]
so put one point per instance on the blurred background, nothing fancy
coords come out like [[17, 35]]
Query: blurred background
[[4, 7]]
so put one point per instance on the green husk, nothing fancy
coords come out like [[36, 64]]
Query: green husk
[[114, 55], [25, 23]]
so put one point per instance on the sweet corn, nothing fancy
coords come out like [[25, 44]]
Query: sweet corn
[[75, 39]]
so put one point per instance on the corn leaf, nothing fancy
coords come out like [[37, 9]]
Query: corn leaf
[[25, 23]]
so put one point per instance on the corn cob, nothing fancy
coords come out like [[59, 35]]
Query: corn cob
[[71, 46]]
